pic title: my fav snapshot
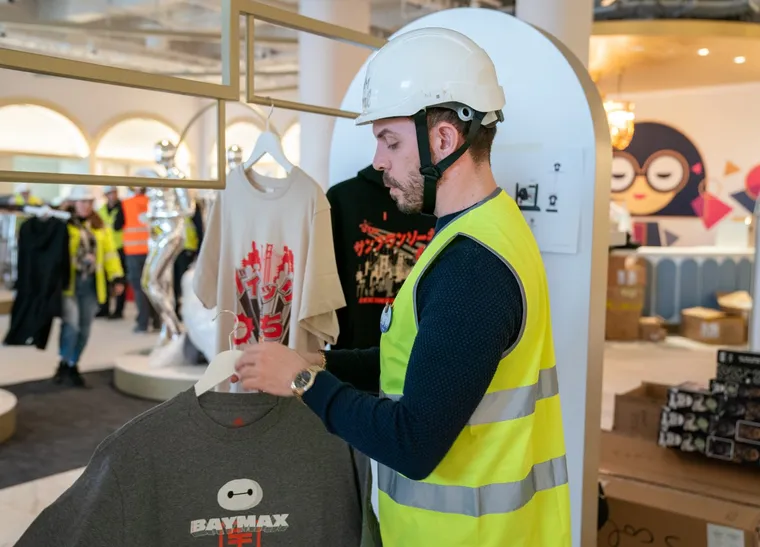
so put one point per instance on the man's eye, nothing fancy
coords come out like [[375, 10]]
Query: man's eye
[[393, 146]]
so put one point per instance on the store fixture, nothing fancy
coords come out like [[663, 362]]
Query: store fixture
[[558, 141], [8, 403], [554, 150]]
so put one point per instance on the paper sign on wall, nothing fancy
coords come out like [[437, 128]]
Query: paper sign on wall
[[723, 536], [544, 184]]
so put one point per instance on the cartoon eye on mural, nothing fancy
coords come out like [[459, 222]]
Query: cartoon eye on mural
[[661, 174]]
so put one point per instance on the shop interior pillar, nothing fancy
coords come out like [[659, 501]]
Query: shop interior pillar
[[569, 21], [326, 68]]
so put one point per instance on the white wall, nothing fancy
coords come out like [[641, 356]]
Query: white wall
[[722, 123]]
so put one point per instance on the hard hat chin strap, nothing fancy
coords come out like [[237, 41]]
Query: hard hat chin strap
[[432, 173]]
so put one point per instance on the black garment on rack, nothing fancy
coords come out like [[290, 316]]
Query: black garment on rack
[[376, 246], [43, 274]]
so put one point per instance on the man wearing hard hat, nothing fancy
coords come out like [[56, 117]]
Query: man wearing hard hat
[[112, 214], [458, 408], [23, 196]]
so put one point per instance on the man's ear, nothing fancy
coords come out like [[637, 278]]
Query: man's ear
[[444, 140]]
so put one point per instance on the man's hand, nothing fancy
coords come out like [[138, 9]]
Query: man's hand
[[269, 367]]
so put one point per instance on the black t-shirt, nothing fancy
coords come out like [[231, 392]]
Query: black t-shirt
[[376, 246]]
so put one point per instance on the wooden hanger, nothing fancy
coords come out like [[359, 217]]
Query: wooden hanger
[[222, 366]]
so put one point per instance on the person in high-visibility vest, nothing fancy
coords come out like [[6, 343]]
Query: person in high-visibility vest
[[94, 264], [112, 214], [23, 196], [459, 407], [135, 237], [193, 240]]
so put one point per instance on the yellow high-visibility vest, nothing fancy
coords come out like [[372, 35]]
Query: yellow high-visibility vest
[[107, 261], [504, 482], [34, 201], [109, 217], [191, 235]]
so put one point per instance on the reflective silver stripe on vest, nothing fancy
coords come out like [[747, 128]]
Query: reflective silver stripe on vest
[[474, 502], [511, 404]]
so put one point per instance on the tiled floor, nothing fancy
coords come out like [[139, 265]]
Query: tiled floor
[[626, 365]]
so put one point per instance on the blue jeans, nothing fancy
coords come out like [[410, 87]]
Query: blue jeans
[[79, 312]]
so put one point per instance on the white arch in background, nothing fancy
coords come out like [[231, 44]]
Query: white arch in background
[[39, 138], [291, 143], [128, 145]]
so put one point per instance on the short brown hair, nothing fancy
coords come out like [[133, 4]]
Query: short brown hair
[[480, 148]]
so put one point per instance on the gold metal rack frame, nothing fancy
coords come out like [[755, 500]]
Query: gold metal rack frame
[[228, 90]]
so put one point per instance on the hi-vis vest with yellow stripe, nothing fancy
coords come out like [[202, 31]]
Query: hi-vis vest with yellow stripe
[[504, 481], [109, 218]]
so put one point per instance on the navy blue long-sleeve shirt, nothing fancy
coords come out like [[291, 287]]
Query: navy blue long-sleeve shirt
[[470, 312]]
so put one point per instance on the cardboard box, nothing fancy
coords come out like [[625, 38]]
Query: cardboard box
[[713, 326], [647, 514], [624, 305], [652, 329], [637, 412], [626, 269]]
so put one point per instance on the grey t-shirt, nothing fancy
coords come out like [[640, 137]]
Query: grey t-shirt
[[220, 470]]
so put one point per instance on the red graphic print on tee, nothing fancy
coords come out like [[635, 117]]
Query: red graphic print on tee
[[264, 283]]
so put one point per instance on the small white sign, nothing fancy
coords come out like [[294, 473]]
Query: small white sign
[[723, 536]]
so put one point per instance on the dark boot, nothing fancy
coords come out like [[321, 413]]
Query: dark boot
[[76, 378], [60, 374]]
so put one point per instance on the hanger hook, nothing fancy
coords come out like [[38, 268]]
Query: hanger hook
[[269, 116], [231, 337]]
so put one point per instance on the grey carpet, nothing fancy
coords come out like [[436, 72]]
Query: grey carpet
[[59, 427]]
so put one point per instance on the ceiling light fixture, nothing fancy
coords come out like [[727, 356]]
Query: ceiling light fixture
[[621, 120], [740, 60], [704, 52]]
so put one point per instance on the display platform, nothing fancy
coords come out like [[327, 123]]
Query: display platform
[[8, 404], [6, 302], [133, 375]]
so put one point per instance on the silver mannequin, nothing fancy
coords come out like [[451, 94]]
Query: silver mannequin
[[168, 210], [207, 197]]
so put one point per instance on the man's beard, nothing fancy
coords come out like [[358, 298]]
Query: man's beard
[[410, 201]]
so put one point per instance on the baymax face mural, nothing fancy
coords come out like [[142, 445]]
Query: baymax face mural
[[659, 173]]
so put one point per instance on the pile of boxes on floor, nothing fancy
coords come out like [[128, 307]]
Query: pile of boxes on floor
[[726, 326], [626, 290], [691, 493], [722, 422]]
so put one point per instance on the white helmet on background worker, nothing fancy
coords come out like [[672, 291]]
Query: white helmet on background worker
[[81, 193], [109, 189], [426, 68], [22, 187]]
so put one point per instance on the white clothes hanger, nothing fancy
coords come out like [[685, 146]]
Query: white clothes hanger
[[222, 366], [268, 143], [44, 211]]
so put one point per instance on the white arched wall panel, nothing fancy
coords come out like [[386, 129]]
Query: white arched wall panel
[[40, 131], [291, 143], [130, 143], [553, 112], [37, 138]]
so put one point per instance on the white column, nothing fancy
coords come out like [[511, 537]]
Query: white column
[[568, 20], [326, 68]]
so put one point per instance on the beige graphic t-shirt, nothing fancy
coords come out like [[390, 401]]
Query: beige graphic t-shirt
[[268, 256]]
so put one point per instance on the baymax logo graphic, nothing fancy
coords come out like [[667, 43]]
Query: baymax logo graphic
[[239, 530]]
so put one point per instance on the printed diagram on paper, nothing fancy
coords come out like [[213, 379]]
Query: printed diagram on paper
[[546, 186]]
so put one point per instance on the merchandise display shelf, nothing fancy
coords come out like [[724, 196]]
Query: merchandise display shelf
[[6, 302], [8, 404], [134, 375]]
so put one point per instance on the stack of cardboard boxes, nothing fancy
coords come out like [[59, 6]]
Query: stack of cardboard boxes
[[626, 284], [722, 422]]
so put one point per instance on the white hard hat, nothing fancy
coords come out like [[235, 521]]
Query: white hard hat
[[430, 67], [81, 193], [109, 189], [22, 187]]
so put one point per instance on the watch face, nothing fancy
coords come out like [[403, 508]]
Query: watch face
[[302, 380]]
